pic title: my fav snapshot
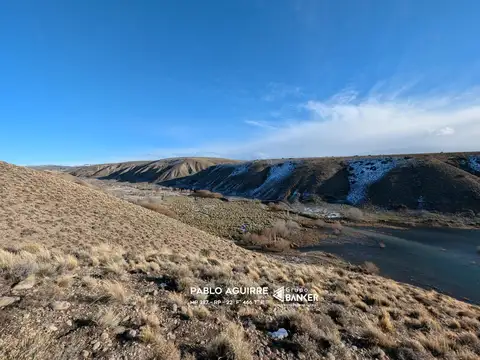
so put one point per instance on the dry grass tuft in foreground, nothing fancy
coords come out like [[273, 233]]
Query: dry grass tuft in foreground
[[230, 344]]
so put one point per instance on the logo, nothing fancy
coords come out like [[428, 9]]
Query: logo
[[294, 295], [279, 294]]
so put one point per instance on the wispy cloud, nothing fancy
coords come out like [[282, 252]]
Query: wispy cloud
[[260, 124], [349, 124], [279, 91]]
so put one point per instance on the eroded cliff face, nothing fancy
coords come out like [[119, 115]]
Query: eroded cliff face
[[444, 183]]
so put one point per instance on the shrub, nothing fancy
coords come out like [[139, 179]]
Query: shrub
[[370, 268], [276, 207], [336, 227], [150, 204], [230, 344], [354, 214], [207, 194], [114, 291]]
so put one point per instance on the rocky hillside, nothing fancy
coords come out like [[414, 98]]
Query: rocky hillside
[[442, 182], [151, 171], [84, 275]]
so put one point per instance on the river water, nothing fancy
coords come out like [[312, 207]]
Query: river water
[[442, 259]]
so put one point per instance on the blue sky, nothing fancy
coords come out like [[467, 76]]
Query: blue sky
[[104, 81]]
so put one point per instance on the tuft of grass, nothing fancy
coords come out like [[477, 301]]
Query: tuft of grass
[[66, 262], [200, 312], [148, 334], [107, 318], [114, 291], [375, 337], [65, 281], [230, 344], [165, 350], [385, 322]]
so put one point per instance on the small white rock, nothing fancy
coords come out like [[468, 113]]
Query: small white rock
[[59, 305], [26, 284], [8, 300]]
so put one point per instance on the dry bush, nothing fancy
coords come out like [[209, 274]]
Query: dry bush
[[151, 204], [90, 282], [279, 229], [437, 344], [371, 268], [207, 194], [201, 312], [148, 334], [107, 318], [267, 241], [374, 336], [336, 227], [177, 299], [149, 318], [66, 262], [276, 207], [354, 214], [385, 322], [165, 350], [114, 291], [231, 345], [64, 281], [292, 225], [18, 265]]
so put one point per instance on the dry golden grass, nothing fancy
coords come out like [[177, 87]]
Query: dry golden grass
[[230, 344], [125, 267], [114, 291], [157, 207], [107, 318]]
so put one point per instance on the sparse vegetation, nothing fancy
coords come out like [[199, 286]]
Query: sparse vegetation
[[207, 194], [371, 268], [157, 207], [354, 214], [230, 344], [114, 281]]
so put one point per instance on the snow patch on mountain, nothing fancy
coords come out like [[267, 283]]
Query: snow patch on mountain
[[276, 174], [474, 163], [365, 172]]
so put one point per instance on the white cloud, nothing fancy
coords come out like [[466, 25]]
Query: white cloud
[[447, 130], [260, 124], [347, 124]]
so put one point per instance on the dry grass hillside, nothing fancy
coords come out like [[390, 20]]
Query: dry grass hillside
[[86, 275]]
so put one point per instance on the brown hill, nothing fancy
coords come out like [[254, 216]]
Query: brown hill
[[151, 171], [439, 182], [87, 275]]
